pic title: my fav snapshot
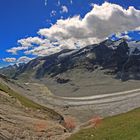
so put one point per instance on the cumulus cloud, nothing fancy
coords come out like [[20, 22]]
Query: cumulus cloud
[[92, 4], [111, 18], [101, 22], [127, 37], [123, 35], [14, 50], [22, 59], [64, 9], [9, 59], [137, 29], [25, 44], [30, 41], [42, 51]]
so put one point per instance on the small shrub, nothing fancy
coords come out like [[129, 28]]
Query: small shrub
[[70, 123], [95, 121]]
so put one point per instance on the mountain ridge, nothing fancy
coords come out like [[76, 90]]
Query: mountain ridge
[[115, 56]]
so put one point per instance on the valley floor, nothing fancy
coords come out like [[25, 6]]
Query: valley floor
[[84, 83], [25, 123], [84, 108]]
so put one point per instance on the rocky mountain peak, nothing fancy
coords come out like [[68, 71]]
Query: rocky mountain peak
[[109, 55]]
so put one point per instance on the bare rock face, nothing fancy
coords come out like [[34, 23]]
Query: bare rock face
[[62, 80]]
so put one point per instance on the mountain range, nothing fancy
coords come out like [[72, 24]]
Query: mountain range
[[45, 95], [119, 58]]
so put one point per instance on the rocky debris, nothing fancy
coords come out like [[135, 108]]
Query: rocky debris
[[62, 80], [18, 122]]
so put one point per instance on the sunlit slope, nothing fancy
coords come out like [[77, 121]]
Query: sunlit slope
[[122, 127], [27, 102]]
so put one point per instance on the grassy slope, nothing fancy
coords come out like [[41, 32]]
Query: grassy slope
[[122, 127], [29, 103]]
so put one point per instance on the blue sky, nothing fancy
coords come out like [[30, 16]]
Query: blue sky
[[23, 18]]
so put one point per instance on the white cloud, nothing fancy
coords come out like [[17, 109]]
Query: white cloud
[[64, 9], [102, 21], [30, 41], [25, 44], [123, 35], [137, 29], [14, 50], [111, 18], [9, 59], [42, 51], [92, 4], [53, 13], [24, 59], [46, 2], [127, 37], [99, 23], [58, 3]]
